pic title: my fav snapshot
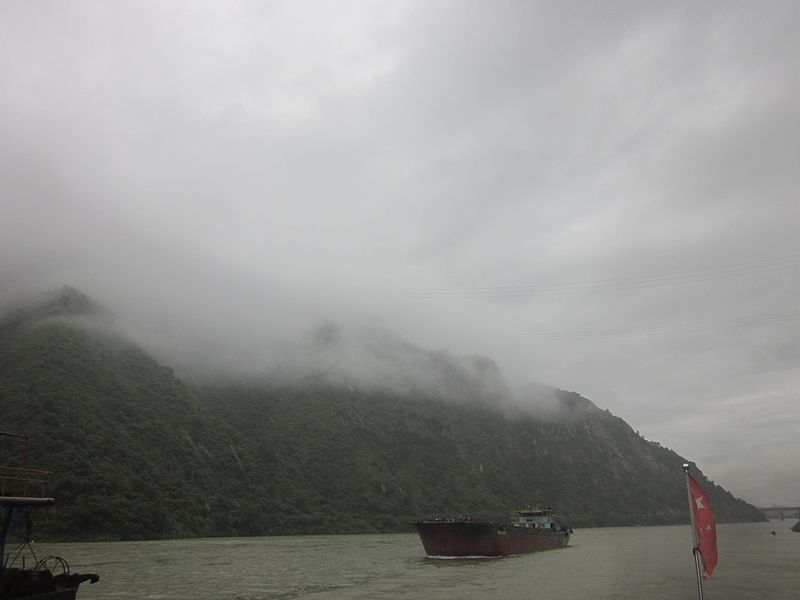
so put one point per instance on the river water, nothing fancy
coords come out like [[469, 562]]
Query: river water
[[615, 563]]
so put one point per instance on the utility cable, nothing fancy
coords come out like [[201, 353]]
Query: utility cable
[[613, 284], [696, 327]]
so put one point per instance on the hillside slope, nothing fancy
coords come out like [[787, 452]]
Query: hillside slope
[[137, 455], [394, 459]]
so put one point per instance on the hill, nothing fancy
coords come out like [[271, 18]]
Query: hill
[[138, 454]]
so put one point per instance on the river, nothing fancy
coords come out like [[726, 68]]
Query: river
[[613, 563]]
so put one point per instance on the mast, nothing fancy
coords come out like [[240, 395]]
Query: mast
[[695, 551], [21, 490]]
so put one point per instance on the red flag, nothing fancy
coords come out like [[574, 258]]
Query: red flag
[[705, 526]]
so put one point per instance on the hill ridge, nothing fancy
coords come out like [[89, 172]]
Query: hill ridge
[[138, 454]]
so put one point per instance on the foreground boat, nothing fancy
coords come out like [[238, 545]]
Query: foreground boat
[[22, 491], [534, 530]]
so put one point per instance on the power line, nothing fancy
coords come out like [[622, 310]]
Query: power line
[[614, 284], [696, 327]]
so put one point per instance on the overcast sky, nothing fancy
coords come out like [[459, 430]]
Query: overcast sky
[[600, 196]]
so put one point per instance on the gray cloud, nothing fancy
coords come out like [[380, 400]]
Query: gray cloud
[[235, 174]]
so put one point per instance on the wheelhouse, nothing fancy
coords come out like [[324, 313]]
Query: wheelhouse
[[536, 518]]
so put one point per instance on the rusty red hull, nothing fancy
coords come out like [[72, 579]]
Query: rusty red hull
[[482, 538]]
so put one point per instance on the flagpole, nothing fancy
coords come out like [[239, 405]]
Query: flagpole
[[695, 551]]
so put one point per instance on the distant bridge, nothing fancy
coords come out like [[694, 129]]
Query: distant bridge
[[781, 512]]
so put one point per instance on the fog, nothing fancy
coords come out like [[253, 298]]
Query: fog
[[600, 198]]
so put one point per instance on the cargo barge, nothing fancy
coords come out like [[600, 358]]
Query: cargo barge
[[533, 530]]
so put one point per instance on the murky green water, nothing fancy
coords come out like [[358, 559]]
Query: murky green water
[[618, 563]]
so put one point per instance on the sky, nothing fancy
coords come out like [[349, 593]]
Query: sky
[[599, 196]]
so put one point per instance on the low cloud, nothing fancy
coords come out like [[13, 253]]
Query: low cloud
[[231, 177]]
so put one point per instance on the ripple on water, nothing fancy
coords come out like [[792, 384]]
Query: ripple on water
[[620, 563]]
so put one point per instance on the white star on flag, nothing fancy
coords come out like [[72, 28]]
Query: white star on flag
[[699, 502]]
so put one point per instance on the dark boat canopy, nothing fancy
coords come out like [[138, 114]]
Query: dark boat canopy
[[21, 501]]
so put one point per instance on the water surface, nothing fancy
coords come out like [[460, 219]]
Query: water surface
[[614, 563]]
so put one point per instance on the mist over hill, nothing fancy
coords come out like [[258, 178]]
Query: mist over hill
[[351, 433], [372, 359]]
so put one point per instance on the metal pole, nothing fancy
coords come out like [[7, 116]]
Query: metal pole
[[695, 551], [8, 514]]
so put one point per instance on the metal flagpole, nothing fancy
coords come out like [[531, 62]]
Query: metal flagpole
[[695, 551]]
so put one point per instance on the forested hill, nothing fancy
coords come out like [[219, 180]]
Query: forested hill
[[138, 454]]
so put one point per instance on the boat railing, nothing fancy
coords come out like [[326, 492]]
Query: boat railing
[[27, 483]]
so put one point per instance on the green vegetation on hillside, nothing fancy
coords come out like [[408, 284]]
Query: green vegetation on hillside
[[136, 455], [389, 460]]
